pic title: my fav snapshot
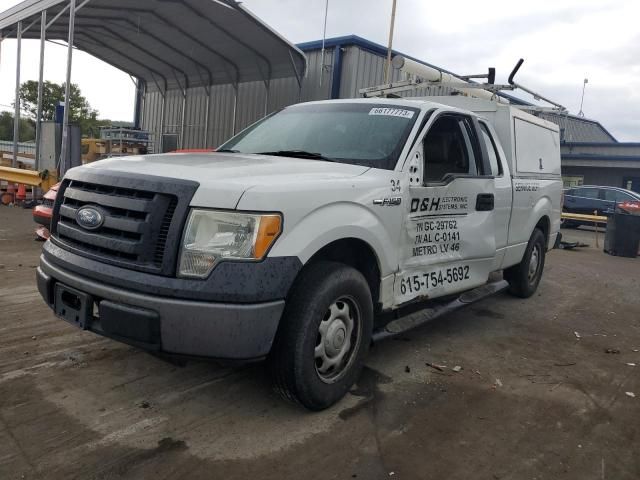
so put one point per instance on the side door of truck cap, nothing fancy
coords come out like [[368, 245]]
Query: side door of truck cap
[[448, 241]]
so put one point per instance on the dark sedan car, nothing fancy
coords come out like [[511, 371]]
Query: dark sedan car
[[601, 200]]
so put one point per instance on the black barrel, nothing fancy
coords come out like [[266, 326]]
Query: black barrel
[[623, 235]]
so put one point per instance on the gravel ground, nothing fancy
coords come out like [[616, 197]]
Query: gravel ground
[[537, 396]]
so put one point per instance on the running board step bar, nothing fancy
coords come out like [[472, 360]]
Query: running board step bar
[[421, 317]]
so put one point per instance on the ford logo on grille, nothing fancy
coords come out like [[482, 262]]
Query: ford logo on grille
[[89, 218]]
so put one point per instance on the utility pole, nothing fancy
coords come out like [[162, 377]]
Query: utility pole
[[387, 76], [584, 85]]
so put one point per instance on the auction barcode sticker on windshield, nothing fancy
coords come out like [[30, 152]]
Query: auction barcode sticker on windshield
[[392, 112]]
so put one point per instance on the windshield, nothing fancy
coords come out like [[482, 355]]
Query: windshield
[[358, 133]]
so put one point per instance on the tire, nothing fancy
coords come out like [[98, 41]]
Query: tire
[[328, 301], [524, 277]]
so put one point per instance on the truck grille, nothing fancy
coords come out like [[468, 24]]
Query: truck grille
[[139, 228]]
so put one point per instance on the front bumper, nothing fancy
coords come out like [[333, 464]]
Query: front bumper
[[233, 331]]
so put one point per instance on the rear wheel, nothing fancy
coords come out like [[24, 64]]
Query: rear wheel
[[324, 335], [524, 277]]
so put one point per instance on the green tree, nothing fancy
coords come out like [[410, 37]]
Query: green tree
[[80, 111], [90, 126], [27, 128]]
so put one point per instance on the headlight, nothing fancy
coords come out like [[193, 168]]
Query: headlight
[[211, 236]]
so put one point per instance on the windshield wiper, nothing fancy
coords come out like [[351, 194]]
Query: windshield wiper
[[227, 150], [298, 154]]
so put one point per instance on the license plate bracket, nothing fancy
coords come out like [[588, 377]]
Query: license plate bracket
[[72, 305]]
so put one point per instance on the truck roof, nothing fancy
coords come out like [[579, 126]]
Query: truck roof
[[402, 102], [460, 103]]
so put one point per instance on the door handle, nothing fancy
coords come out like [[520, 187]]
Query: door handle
[[485, 202]]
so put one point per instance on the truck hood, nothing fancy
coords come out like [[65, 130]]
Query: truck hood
[[224, 177]]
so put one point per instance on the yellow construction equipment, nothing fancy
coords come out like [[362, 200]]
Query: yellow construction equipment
[[93, 149], [44, 179]]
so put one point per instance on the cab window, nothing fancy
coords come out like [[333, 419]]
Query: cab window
[[492, 151], [450, 148]]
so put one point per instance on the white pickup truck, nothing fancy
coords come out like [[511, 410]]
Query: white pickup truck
[[308, 234]]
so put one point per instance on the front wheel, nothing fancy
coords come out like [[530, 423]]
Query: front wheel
[[324, 335], [524, 277]]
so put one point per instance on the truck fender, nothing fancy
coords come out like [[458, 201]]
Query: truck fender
[[543, 207], [519, 238], [338, 221]]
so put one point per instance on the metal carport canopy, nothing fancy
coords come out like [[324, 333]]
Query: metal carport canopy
[[168, 44]]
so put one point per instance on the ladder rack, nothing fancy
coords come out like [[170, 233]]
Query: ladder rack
[[420, 76]]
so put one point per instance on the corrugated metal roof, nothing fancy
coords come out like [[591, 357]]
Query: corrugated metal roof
[[578, 129], [169, 43]]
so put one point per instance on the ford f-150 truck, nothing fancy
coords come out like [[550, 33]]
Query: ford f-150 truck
[[306, 233]]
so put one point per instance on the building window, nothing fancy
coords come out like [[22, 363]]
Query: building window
[[570, 181]]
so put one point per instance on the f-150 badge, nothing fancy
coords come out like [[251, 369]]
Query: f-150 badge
[[388, 201]]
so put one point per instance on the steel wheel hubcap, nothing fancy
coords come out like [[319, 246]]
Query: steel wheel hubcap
[[337, 337], [534, 263]]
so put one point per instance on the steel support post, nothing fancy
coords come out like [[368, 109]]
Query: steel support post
[[206, 118], [162, 109], [43, 37], [235, 107], [143, 102], [184, 118], [298, 77], [266, 97], [64, 148], [16, 114]]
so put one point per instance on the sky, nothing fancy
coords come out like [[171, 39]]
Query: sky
[[563, 42]]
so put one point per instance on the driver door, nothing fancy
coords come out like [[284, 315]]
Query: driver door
[[449, 228]]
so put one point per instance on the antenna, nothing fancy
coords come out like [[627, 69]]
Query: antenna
[[584, 85], [324, 36]]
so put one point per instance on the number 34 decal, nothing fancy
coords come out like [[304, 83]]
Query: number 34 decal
[[395, 186]]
